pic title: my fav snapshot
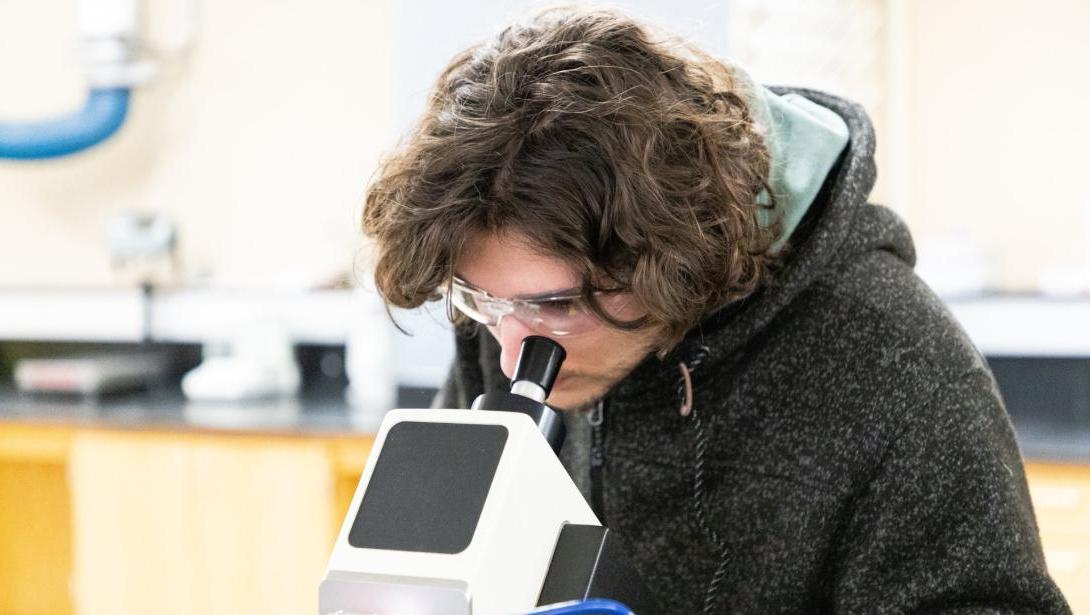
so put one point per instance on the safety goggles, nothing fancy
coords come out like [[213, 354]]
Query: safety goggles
[[557, 315]]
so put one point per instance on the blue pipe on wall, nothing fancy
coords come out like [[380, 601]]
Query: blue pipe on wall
[[101, 116]]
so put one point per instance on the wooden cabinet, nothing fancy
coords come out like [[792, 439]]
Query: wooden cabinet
[[131, 521], [1061, 499], [35, 534]]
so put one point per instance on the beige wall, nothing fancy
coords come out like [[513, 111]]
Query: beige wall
[[998, 129], [259, 142]]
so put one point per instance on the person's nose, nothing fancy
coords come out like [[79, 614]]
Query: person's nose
[[510, 333]]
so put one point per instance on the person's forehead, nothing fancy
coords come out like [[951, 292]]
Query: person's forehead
[[509, 265]]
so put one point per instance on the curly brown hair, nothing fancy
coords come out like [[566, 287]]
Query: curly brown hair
[[635, 161]]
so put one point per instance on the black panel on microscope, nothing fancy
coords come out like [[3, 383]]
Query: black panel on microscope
[[428, 487]]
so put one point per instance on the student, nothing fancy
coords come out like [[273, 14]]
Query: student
[[763, 399]]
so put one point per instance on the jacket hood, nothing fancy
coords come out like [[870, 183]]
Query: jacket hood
[[804, 142], [840, 225]]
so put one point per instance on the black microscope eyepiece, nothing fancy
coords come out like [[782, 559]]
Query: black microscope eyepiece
[[538, 365], [535, 374]]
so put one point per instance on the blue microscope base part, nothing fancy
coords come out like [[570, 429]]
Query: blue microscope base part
[[593, 606]]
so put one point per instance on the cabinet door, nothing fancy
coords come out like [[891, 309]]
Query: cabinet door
[[172, 524], [1061, 500]]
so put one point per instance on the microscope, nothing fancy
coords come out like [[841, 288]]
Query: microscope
[[470, 512]]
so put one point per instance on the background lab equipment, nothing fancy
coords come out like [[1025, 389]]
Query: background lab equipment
[[463, 512]]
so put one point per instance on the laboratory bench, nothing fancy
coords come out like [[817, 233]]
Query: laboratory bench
[[150, 503]]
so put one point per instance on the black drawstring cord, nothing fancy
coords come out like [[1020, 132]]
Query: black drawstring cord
[[685, 394]]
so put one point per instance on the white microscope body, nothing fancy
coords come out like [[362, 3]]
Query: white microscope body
[[457, 512], [470, 512]]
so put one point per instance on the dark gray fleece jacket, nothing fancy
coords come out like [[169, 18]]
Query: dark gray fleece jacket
[[847, 451]]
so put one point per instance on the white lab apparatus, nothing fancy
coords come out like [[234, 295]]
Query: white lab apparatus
[[257, 362], [369, 357]]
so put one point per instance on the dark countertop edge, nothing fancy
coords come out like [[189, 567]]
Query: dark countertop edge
[[288, 431], [325, 414]]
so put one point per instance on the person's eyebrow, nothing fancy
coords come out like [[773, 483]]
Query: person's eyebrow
[[562, 292]]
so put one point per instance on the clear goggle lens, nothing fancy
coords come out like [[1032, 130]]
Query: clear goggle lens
[[559, 316]]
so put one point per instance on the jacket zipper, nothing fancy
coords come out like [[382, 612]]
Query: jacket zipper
[[596, 418]]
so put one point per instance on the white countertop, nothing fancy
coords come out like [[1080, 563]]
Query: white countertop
[[1026, 326]]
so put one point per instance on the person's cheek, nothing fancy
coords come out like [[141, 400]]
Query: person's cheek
[[579, 357]]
